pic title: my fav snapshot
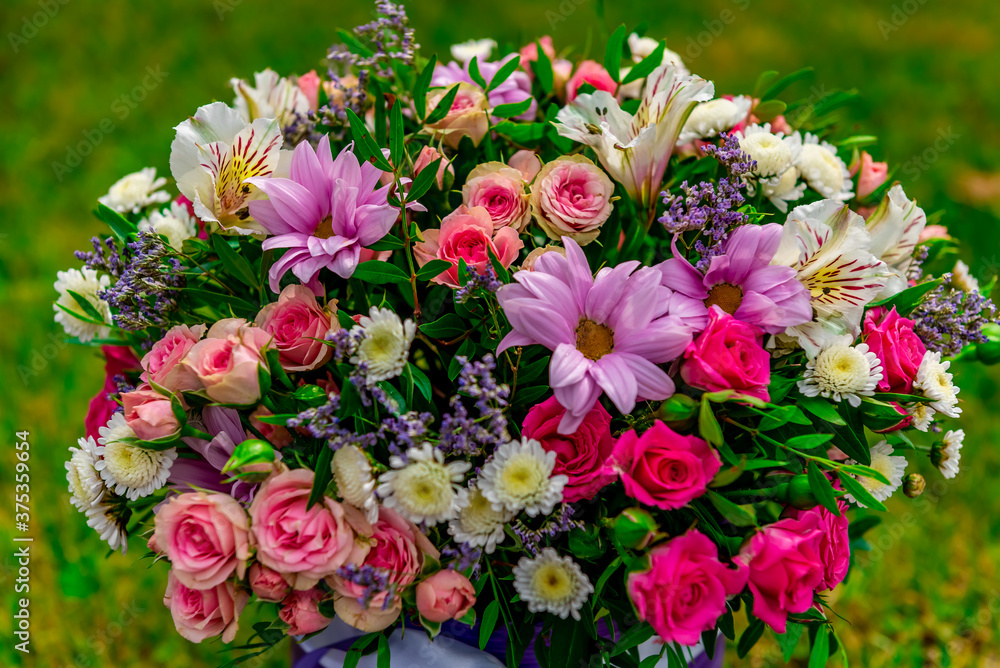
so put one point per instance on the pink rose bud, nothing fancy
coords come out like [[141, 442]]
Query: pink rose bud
[[228, 360], [300, 610], [662, 468], [161, 364], [298, 324], [571, 197], [309, 85], [205, 613], [206, 537], [426, 158], [562, 70], [592, 72], [150, 414], [933, 232], [529, 53], [445, 595], [469, 234], [527, 163], [500, 190], [684, 590], [268, 583], [728, 355], [872, 174]]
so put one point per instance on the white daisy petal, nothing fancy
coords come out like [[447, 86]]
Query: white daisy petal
[[843, 373], [86, 283], [85, 485], [477, 523], [385, 346], [883, 461], [353, 474], [550, 583], [823, 170], [519, 477], [129, 470], [422, 487], [947, 454], [934, 381], [134, 192]]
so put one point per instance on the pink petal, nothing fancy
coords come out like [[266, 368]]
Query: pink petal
[[568, 366], [652, 382], [613, 374], [296, 205]]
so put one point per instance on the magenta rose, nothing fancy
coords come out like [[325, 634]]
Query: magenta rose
[[892, 339], [205, 613], [728, 355], [150, 414], [467, 234], [500, 190], [392, 548], [298, 324], [592, 72], [117, 360], [300, 610], [580, 456], [662, 468], [445, 595], [228, 360], [205, 536], [304, 544], [571, 197], [785, 568], [268, 584], [685, 588], [834, 542], [161, 364]]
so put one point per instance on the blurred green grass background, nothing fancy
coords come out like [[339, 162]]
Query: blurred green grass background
[[929, 594]]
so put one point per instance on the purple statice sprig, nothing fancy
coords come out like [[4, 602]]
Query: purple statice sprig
[[105, 257], [389, 37], [373, 581], [149, 279], [463, 557], [731, 156], [559, 522], [323, 423], [949, 319], [486, 281], [463, 433], [402, 432]]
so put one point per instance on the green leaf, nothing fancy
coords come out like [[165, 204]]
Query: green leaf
[[323, 476], [504, 73], [122, 228], [433, 269], [750, 637], [422, 86], [778, 87], [388, 242], [851, 437], [81, 316], [88, 308], [351, 41], [364, 144], [475, 74], [648, 64], [634, 637], [858, 491], [738, 515], [503, 275], [234, 263], [788, 640], [779, 416], [613, 52], [522, 133], [820, 649], [490, 616], [908, 299], [420, 380], [570, 642], [443, 106], [422, 182], [447, 326], [383, 660], [608, 572], [708, 425], [766, 111], [821, 488], [808, 441], [378, 272], [543, 69], [821, 408], [866, 471], [378, 101], [512, 109], [396, 134], [763, 81]]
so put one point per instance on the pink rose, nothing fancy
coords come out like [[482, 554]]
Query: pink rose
[[205, 536], [445, 595], [309, 85], [392, 548], [527, 163], [562, 70], [571, 197], [684, 590], [277, 435], [227, 361], [529, 262], [466, 118], [268, 584], [305, 544], [872, 174], [834, 542], [500, 190], [529, 53], [592, 72], [892, 339], [663, 468], [150, 414], [467, 234], [296, 321], [205, 613], [933, 232], [728, 355], [162, 363], [785, 568], [581, 455], [426, 157], [300, 610], [117, 360]]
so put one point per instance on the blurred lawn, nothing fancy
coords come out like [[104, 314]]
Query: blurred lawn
[[929, 594]]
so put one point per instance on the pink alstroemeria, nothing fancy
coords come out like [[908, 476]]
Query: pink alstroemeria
[[324, 214], [742, 282], [608, 333]]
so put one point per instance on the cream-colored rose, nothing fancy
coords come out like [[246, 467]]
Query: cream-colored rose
[[500, 190], [571, 197], [466, 118]]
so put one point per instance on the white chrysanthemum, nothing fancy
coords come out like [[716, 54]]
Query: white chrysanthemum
[[842, 373], [519, 477], [466, 51], [923, 416], [643, 47], [948, 453], [823, 170], [85, 485], [136, 191], [353, 474], [710, 118], [175, 223], [422, 488], [129, 470], [477, 523], [774, 152], [963, 279], [550, 583], [783, 189], [109, 524], [386, 344], [883, 461], [936, 384], [86, 283]]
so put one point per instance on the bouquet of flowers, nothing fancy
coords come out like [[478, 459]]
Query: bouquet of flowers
[[551, 355]]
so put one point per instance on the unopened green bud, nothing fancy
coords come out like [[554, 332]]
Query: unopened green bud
[[251, 461], [677, 408], [798, 493], [635, 528], [913, 485]]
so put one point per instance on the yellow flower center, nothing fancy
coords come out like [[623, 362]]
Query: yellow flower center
[[726, 296], [522, 476], [552, 582], [594, 340]]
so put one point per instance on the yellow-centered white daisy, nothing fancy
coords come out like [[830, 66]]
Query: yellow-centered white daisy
[[422, 487], [891, 466], [71, 315], [386, 344], [948, 453], [85, 485], [519, 477], [134, 192], [550, 583], [353, 474], [477, 523], [129, 470], [934, 381], [843, 373]]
